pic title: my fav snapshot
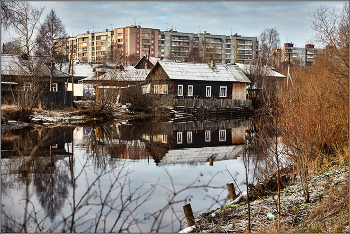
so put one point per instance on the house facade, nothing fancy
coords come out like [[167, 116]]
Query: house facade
[[197, 80]]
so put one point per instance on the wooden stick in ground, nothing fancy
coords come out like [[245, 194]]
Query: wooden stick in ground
[[189, 214], [231, 191]]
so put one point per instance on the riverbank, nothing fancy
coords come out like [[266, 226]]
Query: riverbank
[[328, 210]]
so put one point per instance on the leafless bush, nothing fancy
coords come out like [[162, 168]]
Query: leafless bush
[[140, 102]]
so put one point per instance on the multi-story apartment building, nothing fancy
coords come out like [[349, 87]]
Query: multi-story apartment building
[[295, 55], [136, 42], [223, 49], [87, 48]]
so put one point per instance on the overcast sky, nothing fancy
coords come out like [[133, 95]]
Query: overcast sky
[[291, 18]]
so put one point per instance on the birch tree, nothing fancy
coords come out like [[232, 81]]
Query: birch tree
[[23, 18], [269, 38]]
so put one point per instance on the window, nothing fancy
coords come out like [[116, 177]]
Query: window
[[137, 51], [138, 35], [180, 90], [152, 37], [54, 87], [207, 136], [165, 89], [223, 91], [137, 46], [27, 86], [152, 52], [126, 40], [164, 138], [126, 34], [156, 89], [190, 90], [208, 91], [152, 40], [222, 135], [138, 40], [189, 137], [179, 138]]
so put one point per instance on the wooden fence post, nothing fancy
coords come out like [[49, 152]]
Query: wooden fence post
[[231, 191], [189, 214]]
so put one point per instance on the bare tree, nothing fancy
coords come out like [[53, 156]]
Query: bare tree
[[23, 17], [12, 47], [8, 9], [115, 54], [52, 28], [269, 38]]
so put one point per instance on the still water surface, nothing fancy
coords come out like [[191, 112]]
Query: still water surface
[[129, 177]]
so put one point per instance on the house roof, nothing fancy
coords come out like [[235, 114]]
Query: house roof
[[14, 65], [249, 68], [203, 72], [201, 155], [153, 60], [124, 75], [79, 69]]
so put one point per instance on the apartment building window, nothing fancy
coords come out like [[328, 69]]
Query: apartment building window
[[222, 135], [208, 91], [223, 91], [180, 90], [156, 89], [152, 41], [165, 89], [190, 90], [137, 46], [146, 34], [152, 52], [126, 40], [138, 35], [138, 40], [126, 34], [152, 47], [152, 37], [137, 51]]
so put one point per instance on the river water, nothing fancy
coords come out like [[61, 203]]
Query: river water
[[128, 177]]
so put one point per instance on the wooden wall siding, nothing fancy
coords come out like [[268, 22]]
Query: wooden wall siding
[[238, 135], [211, 103], [199, 88], [239, 91]]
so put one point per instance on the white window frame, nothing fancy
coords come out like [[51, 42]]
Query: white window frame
[[189, 137], [54, 87], [225, 92], [208, 91], [164, 138], [156, 89], [190, 94], [207, 136], [27, 86], [222, 135], [180, 88], [179, 138], [165, 89]]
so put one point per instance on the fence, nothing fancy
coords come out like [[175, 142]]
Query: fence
[[49, 100]]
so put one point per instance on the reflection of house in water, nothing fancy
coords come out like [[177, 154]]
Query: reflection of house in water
[[197, 141], [201, 155], [23, 143]]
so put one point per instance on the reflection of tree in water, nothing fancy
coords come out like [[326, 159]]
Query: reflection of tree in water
[[51, 183]]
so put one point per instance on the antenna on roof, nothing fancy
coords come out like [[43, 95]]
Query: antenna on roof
[[93, 29], [134, 21], [199, 29], [112, 27], [166, 28]]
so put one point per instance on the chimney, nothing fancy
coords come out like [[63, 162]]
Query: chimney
[[87, 32], [106, 30], [212, 63]]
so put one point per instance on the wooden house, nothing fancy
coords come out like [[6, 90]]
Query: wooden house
[[26, 73], [197, 80], [24, 70]]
